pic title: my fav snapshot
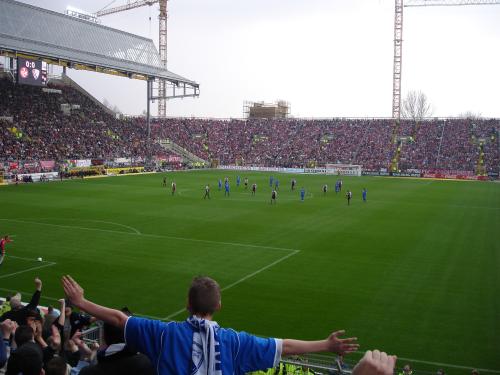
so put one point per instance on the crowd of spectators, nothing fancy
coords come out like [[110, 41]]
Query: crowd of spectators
[[48, 341], [40, 130]]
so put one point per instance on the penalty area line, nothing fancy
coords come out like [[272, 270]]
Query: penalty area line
[[151, 235], [48, 264], [244, 278]]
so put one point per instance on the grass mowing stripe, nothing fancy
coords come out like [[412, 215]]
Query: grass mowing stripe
[[150, 235], [50, 264], [241, 280]]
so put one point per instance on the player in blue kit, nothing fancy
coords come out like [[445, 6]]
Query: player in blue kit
[[271, 180], [238, 180], [364, 194], [276, 185], [302, 194], [220, 184], [226, 188], [198, 345]]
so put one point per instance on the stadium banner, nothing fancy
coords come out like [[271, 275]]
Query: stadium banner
[[82, 163], [97, 162], [36, 177], [354, 171], [30, 166], [455, 176], [174, 159], [47, 165], [122, 160], [115, 171], [261, 169]]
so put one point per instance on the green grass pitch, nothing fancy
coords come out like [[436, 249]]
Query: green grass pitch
[[414, 271]]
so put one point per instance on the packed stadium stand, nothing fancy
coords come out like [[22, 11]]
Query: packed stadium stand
[[63, 123]]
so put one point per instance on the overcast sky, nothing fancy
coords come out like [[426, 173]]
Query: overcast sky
[[328, 58]]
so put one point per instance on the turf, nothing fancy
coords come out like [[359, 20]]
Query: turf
[[413, 271]]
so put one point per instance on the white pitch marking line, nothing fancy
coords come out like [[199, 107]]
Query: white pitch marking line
[[150, 235], [241, 280], [28, 259], [27, 270], [92, 221]]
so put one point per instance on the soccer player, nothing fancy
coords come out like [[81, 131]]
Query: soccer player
[[174, 187], [220, 184], [226, 188], [274, 194], [165, 181], [349, 197], [207, 192], [340, 185], [238, 180], [294, 181], [254, 189], [271, 179], [276, 185], [4, 241], [246, 183], [325, 189], [364, 194], [302, 194]]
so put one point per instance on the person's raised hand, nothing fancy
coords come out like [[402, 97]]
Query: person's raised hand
[[8, 327], [38, 283], [375, 363], [342, 346], [73, 290]]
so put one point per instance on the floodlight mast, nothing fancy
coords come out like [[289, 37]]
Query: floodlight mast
[[398, 40], [162, 85]]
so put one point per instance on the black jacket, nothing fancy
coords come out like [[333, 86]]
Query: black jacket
[[19, 315], [124, 362]]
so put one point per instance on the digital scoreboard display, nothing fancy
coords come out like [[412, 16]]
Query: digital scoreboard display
[[31, 72]]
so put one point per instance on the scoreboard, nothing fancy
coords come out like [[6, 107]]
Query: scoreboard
[[31, 72]]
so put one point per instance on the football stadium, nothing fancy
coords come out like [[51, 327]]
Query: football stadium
[[266, 243]]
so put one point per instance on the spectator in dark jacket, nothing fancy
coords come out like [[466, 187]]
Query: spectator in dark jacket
[[18, 312], [115, 358]]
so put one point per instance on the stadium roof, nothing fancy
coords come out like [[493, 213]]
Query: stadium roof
[[68, 41]]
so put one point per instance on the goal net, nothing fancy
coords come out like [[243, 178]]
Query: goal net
[[344, 169]]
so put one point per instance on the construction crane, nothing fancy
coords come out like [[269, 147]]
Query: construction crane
[[162, 85], [398, 40]]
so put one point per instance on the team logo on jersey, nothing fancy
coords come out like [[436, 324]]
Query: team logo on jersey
[[36, 73], [24, 72]]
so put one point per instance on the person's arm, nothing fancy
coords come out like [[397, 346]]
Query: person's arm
[[7, 329], [35, 299], [331, 344], [62, 316], [75, 293]]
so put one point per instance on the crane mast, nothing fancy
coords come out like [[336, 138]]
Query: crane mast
[[398, 40], [162, 41]]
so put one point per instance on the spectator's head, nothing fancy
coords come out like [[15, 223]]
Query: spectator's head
[[50, 309], [56, 366], [68, 309], [474, 372], [27, 360], [23, 335], [440, 372], [32, 316], [15, 302], [407, 369], [204, 296]]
